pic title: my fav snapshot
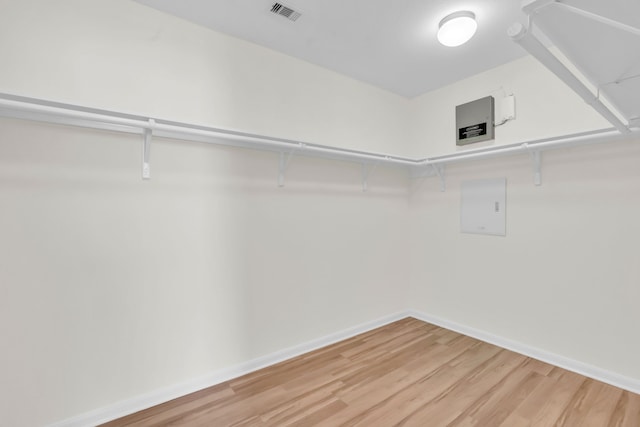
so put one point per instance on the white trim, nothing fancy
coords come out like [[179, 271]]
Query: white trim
[[129, 406], [126, 407], [19, 107], [621, 381]]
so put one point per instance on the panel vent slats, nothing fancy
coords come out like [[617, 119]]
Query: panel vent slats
[[287, 12]]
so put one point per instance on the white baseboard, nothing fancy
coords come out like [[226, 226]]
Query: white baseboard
[[148, 400], [126, 407], [626, 383]]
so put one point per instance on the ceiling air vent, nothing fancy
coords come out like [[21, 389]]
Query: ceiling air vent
[[287, 12]]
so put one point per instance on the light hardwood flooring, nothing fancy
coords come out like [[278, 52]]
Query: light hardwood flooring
[[408, 373]]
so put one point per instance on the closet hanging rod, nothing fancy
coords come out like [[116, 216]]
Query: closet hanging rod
[[39, 110], [567, 141], [52, 112]]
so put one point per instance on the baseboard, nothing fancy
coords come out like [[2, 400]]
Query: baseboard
[[126, 407], [626, 383], [139, 403]]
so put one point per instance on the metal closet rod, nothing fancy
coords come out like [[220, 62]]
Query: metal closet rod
[[66, 114], [566, 141], [53, 112]]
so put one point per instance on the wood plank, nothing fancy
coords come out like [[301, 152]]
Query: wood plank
[[626, 412], [408, 373]]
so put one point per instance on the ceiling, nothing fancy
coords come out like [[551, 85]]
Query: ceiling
[[389, 44]]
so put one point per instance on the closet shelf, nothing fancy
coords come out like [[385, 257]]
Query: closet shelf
[[601, 41], [13, 106]]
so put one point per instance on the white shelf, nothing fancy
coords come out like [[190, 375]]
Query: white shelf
[[53, 112]]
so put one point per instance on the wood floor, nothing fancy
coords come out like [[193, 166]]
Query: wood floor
[[408, 373]]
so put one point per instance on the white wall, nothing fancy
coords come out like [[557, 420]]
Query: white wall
[[565, 278], [120, 55], [112, 287], [545, 107]]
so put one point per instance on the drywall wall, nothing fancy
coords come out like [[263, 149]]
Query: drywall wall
[[564, 279], [112, 287], [545, 108], [123, 56]]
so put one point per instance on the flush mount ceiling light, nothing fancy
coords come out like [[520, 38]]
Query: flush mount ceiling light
[[457, 28]]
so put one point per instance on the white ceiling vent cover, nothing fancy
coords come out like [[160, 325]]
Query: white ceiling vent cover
[[287, 12]]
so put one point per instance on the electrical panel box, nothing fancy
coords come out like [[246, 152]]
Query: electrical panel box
[[482, 206], [475, 121]]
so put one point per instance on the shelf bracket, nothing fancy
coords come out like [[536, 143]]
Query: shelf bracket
[[536, 161], [146, 149], [283, 163], [537, 167], [438, 169], [367, 170]]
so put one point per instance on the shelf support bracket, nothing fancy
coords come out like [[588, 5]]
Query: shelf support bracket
[[146, 150], [536, 161], [283, 163], [537, 167], [367, 170], [439, 170]]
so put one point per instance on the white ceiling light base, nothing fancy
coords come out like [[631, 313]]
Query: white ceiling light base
[[457, 28]]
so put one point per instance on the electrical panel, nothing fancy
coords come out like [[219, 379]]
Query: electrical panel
[[475, 121], [483, 206]]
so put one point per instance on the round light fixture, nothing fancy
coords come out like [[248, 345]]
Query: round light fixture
[[457, 28]]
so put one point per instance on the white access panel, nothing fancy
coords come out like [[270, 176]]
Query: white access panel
[[483, 206]]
